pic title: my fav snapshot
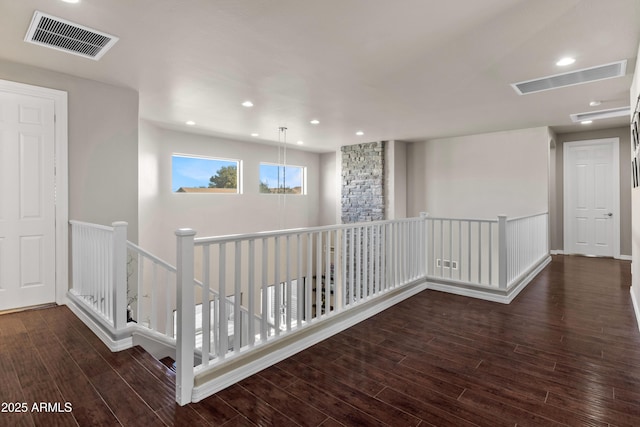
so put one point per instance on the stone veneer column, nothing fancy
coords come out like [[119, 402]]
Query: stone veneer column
[[362, 201], [362, 182]]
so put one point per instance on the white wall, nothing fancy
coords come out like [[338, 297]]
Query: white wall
[[395, 184], [480, 176], [162, 211], [103, 144], [329, 195], [635, 209]]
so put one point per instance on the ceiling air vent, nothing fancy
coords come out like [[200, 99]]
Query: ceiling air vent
[[50, 31], [602, 114], [587, 75]]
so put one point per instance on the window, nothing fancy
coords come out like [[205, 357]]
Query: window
[[279, 307], [190, 174], [280, 179]]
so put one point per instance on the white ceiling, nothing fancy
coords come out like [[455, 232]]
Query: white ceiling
[[395, 69]]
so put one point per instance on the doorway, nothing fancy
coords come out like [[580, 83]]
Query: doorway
[[33, 196], [592, 197]]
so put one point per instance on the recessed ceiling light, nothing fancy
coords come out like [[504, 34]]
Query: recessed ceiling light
[[314, 122], [190, 122], [595, 103], [586, 122], [247, 104], [300, 142], [255, 134], [71, 1], [359, 133], [565, 61]]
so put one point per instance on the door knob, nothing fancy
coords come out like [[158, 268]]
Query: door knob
[[610, 214]]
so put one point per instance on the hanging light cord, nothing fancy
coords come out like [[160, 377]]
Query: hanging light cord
[[282, 161]]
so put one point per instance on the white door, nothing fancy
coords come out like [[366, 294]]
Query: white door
[[591, 197], [27, 201]]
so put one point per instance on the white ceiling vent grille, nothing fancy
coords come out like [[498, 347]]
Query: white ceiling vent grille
[[587, 75], [50, 31], [602, 114]]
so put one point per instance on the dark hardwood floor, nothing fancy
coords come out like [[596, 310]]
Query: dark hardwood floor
[[565, 352]]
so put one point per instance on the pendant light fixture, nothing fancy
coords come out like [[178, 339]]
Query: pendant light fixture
[[282, 164]]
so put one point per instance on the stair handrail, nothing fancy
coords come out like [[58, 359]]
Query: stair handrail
[[171, 268]]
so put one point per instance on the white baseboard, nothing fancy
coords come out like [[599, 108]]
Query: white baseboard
[[105, 336], [492, 294], [528, 278], [621, 257], [487, 295]]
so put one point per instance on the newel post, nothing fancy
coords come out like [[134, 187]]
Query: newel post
[[502, 251], [425, 243], [186, 317], [119, 275]]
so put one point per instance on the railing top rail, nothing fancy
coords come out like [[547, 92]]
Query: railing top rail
[[91, 225], [461, 219], [527, 216], [290, 232], [151, 256]]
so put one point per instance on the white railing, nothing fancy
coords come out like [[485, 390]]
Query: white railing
[[485, 253], [276, 283], [463, 250], [145, 289], [151, 291], [99, 270], [527, 241], [286, 280]]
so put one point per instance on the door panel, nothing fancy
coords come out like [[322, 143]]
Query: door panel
[[31, 179], [27, 201], [589, 197], [601, 232], [31, 261], [581, 187], [582, 235]]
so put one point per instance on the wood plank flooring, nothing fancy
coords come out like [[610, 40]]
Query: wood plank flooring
[[565, 352]]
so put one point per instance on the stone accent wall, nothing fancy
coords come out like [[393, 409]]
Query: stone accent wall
[[362, 182]]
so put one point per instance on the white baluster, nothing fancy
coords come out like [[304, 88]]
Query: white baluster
[[318, 279], [237, 291], [278, 288], [300, 296], [327, 273], [251, 298], [223, 326], [365, 251], [154, 297], [264, 327], [119, 298], [287, 283], [502, 251], [206, 305], [308, 289]]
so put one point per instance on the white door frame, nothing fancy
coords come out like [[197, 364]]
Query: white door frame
[[61, 178], [615, 170]]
